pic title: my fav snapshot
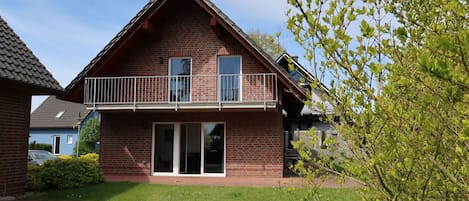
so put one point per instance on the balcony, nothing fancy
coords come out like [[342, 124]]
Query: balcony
[[181, 92]]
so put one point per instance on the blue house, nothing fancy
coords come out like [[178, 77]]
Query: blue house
[[56, 122]]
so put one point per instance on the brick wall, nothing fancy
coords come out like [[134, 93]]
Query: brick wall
[[184, 31], [254, 141], [14, 131]]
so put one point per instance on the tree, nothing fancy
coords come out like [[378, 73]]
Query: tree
[[89, 136], [268, 43], [400, 85]]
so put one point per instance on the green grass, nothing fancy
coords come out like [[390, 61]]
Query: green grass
[[143, 191]]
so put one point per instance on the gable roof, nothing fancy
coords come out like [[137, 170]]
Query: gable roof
[[18, 64], [152, 7], [308, 77], [304, 73], [55, 113]]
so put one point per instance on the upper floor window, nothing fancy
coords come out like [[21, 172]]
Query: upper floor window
[[180, 80], [229, 69]]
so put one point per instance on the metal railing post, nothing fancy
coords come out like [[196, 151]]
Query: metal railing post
[[94, 94], [276, 88], [135, 93], [177, 93], [265, 104], [219, 91]]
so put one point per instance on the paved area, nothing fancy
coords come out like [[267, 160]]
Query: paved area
[[233, 181]]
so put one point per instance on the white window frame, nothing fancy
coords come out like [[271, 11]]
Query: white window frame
[[169, 80], [69, 139], [176, 150], [240, 77]]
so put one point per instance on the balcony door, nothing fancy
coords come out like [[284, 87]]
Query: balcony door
[[189, 149], [229, 70], [180, 79]]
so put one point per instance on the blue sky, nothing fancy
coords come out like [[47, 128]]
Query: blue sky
[[66, 34]]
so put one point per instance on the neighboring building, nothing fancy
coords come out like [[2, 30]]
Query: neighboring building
[[21, 75], [56, 122], [182, 90], [296, 125]]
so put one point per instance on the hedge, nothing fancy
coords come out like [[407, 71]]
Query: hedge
[[90, 156], [39, 146], [63, 174]]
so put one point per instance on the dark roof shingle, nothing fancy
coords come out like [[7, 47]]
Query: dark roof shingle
[[18, 63], [45, 116]]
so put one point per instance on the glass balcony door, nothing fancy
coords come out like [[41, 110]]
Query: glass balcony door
[[229, 70], [180, 79]]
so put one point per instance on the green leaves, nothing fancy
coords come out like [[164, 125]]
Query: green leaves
[[400, 79], [366, 30]]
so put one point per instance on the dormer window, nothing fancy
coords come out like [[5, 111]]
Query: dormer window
[[59, 114]]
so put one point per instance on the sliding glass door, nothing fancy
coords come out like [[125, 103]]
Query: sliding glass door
[[163, 155], [189, 148], [214, 148], [189, 159]]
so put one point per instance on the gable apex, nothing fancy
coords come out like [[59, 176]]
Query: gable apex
[[142, 22]]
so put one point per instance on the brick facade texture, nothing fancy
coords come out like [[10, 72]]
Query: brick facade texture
[[14, 131], [254, 141], [186, 32]]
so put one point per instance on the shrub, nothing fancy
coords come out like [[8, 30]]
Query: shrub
[[65, 157], [90, 156], [34, 180], [85, 147], [64, 174], [39, 146]]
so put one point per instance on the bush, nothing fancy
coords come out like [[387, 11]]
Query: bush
[[63, 174], [85, 147], [39, 146], [90, 156], [34, 180], [65, 157]]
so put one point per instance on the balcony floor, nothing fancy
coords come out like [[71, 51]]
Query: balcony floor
[[184, 106]]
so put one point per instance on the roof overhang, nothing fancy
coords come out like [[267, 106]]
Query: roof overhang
[[74, 93]]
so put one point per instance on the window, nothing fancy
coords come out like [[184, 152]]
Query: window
[[69, 139], [180, 79], [229, 70], [59, 114]]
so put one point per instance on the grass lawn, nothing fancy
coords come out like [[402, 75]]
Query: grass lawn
[[143, 191]]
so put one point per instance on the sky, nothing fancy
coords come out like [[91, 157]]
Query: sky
[[67, 34]]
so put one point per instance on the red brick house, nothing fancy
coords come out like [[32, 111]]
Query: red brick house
[[183, 91], [21, 75]]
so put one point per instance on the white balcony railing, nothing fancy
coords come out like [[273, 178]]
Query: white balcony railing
[[153, 92]]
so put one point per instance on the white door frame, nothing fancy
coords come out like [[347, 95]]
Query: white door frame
[[176, 150]]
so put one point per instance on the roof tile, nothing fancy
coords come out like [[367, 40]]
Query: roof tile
[[18, 63], [45, 115]]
